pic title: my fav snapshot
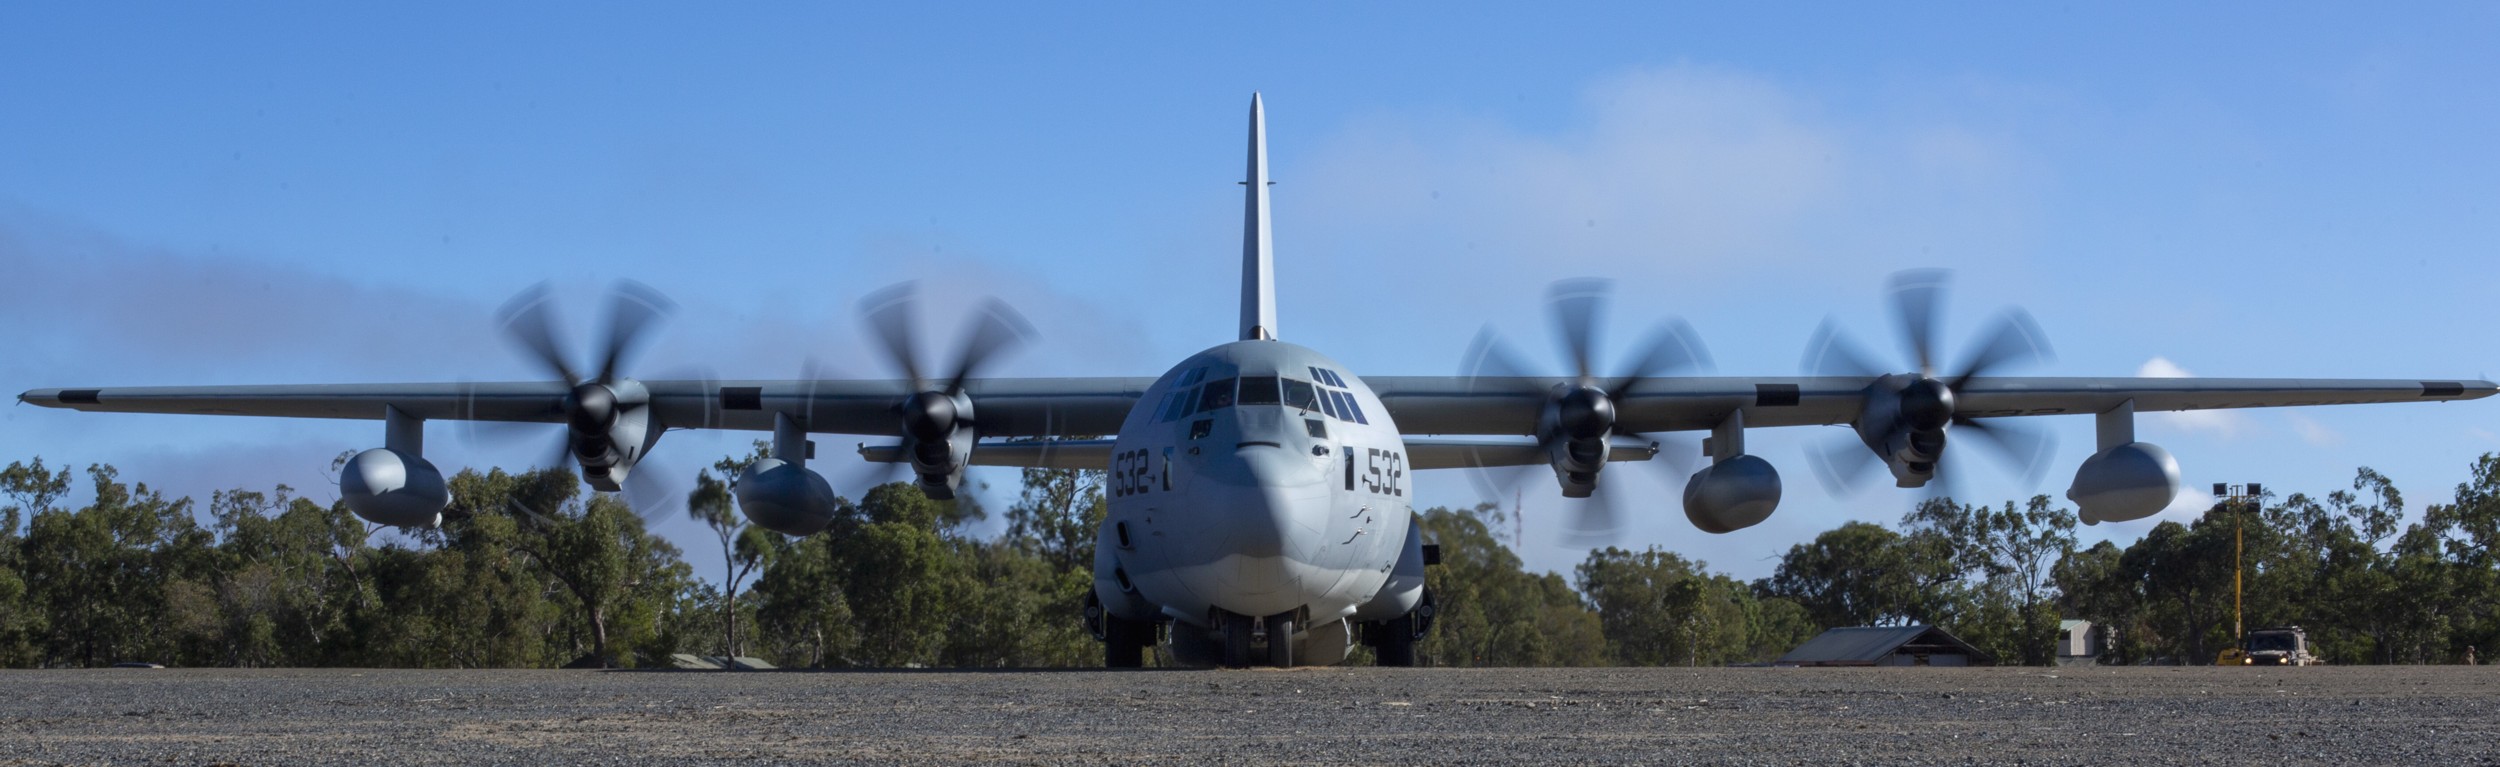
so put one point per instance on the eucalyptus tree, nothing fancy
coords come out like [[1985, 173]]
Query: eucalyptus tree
[[1491, 611], [743, 547]]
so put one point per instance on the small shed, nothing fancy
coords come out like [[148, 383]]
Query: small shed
[[1912, 645], [2080, 642]]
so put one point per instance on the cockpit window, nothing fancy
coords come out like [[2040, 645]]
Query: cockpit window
[[1258, 390], [1328, 404], [1218, 395], [1178, 404], [1299, 394], [1192, 377], [1354, 408]]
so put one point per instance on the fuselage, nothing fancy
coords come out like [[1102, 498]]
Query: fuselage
[[1257, 478]]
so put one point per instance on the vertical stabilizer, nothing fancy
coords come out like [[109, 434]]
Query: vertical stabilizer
[[1258, 265]]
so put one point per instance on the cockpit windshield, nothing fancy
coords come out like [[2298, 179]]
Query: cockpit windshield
[[1217, 395], [1299, 394], [1258, 390]]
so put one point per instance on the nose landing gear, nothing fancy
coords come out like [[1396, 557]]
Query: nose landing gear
[[1243, 633]]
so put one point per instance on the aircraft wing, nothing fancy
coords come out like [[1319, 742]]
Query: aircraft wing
[[1064, 412], [1434, 453], [1460, 405], [1007, 407]]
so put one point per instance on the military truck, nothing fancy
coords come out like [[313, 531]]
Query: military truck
[[2284, 646]]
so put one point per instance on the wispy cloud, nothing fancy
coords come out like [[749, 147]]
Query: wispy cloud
[[1664, 176], [2191, 502], [2312, 432], [83, 302]]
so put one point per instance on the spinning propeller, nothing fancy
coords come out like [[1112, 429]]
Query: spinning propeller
[[938, 415], [1579, 414], [606, 425], [1908, 415]]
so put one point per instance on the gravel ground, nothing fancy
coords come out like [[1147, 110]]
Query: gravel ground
[[1336, 716]]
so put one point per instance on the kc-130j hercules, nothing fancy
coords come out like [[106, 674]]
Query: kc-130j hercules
[[1260, 492]]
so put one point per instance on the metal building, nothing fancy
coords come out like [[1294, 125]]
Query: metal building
[[1913, 645]]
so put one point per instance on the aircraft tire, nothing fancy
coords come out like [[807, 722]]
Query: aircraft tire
[[1124, 642], [1236, 641], [1280, 640], [1395, 646]]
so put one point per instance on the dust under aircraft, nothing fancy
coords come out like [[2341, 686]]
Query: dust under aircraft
[[1260, 491]]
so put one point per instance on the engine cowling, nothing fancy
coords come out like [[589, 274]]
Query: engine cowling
[[1732, 495], [2128, 482], [388, 487], [785, 499]]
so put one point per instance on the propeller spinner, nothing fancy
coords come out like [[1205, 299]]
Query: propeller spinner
[[1908, 415], [1579, 415], [938, 418], [607, 426]]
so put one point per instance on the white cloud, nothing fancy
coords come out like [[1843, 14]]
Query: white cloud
[[1663, 177], [2221, 423], [2312, 432], [2190, 504], [1677, 164]]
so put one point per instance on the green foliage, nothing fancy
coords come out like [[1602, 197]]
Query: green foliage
[[1861, 574], [1661, 609], [2366, 586], [1494, 613], [801, 615], [31, 490], [1998, 589], [527, 572], [744, 547], [104, 575], [1057, 515]]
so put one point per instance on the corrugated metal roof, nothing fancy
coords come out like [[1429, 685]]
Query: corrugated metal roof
[[1866, 645]]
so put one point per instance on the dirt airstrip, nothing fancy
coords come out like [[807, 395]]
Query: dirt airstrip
[[1333, 716]]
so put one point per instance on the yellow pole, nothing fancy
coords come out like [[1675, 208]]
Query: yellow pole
[[2239, 563]]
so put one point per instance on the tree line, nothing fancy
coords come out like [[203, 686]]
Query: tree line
[[526, 571]]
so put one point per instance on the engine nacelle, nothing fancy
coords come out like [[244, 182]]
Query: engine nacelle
[[1732, 495], [2131, 481], [783, 498], [388, 487]]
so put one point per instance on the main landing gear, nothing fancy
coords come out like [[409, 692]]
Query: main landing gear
[[1393, 640], [1124, 641]]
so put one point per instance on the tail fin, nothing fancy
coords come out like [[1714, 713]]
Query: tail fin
[[1258, 267]]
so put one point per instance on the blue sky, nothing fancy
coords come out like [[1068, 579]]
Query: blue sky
[[333, 193]]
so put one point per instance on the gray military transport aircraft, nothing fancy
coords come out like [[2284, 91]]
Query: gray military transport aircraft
[[1261, 499]]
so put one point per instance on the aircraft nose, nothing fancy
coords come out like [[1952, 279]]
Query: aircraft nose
[[1267, 513], [1270, 464], [1268, 501]]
